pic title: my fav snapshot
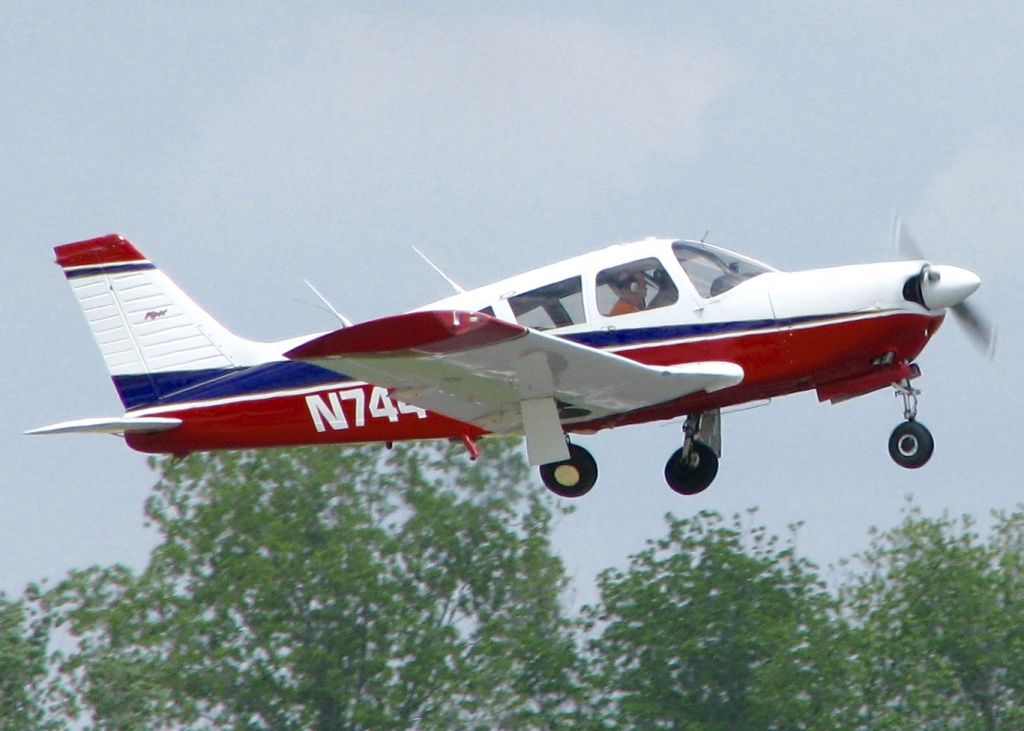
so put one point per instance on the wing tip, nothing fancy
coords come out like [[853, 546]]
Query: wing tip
[[724, 374]]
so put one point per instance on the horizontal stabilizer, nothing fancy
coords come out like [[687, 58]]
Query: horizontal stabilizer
[[114, 425]]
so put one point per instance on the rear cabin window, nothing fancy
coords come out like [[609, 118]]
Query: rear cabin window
[[635, 287], [554, 305]]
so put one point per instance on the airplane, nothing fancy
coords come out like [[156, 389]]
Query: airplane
[[659, 329]]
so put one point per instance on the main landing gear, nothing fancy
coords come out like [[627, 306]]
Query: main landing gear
[[689, 470], [693, 467], [911, 444], [572, 477]]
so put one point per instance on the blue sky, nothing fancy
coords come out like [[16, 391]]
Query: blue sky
[[245, 147]]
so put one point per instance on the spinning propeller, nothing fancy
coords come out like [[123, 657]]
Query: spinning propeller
[[940, 286]]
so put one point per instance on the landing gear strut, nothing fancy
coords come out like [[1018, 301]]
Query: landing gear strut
[[572, 477], [693, 467], [911, 444]]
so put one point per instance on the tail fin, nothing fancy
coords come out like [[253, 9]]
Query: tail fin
[[154, 338]]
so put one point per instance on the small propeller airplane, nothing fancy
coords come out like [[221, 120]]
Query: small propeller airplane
[[654, 330]]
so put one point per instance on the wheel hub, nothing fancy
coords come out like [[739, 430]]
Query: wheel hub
[[568, 475], [572, 478], [908, 445]]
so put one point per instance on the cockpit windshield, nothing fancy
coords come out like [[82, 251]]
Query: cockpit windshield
[[713, 270]]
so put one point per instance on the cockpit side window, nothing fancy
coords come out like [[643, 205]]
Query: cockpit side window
[[639, 285], [714, 271], [554, 305]]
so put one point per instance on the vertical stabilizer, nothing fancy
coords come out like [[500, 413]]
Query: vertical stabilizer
[[152, 335]]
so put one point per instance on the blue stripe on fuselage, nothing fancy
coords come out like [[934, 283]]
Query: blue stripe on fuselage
[[655, 335], [151, 389]]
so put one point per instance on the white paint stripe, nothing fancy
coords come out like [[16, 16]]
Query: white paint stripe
[[81, 267]]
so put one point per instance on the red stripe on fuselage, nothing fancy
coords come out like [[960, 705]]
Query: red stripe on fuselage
[[775, 363], [786, 361], [341, 414]]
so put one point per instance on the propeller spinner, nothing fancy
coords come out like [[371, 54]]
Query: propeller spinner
[[943, 286]]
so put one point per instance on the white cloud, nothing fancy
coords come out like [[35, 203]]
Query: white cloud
[[415, 112], [972, 214], [975, 204]]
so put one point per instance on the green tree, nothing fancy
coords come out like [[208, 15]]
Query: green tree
[[23, 667], [716, 626], [326, 588], [940, 625]]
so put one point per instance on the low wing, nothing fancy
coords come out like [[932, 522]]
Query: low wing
[[504, 377]]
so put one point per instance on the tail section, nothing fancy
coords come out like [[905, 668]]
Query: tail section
[[154, 338]]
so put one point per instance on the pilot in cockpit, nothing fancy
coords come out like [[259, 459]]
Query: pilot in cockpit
[[631, 289]]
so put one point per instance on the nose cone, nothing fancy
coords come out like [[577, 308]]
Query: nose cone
[[945, 286]]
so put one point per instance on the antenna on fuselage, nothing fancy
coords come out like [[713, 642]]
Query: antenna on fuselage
[[704, 238], [344, 320], [455, 285]]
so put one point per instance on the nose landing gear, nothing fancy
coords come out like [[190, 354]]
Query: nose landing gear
[[910, 444]]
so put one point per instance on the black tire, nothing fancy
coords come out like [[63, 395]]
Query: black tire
[[573, 477], [693, 475], [911, 445]]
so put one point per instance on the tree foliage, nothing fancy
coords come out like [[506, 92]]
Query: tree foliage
[[23, 667], [365, 588], [330, 589], [714, 627], [939, 613]]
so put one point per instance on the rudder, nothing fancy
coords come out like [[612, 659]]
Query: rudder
[[153, 337]]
